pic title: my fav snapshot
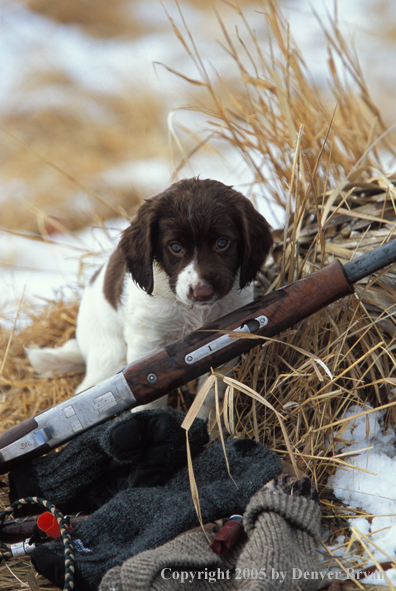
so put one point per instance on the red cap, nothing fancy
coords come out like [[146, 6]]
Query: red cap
[[49, 525]]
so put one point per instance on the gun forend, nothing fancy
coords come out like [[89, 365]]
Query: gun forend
[[185, 360]]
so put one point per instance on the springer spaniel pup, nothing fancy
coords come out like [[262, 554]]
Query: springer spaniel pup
[[192, 253]]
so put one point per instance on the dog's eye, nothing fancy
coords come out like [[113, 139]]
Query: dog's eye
[[222, 243], [176, 248]]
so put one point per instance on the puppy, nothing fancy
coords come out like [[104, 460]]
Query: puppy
[[192, 253]]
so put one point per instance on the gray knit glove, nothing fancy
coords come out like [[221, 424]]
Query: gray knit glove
[[283, 532], [189, 553]]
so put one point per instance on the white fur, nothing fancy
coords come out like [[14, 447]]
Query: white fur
[[62, 360], [188, 279]]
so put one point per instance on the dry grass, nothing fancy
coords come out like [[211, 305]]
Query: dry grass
[[18, 575], [53, 159], [107, 20], [320, 161], [53, 155], [60, 137], [104, 21]]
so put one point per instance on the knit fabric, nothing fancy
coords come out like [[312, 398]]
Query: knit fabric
[[138, 519], [189, 553], [282, 535], [141, 449]]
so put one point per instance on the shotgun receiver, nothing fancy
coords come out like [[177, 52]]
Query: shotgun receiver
[[180, 362]]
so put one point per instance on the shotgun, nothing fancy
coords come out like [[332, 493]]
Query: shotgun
[[184, 360]]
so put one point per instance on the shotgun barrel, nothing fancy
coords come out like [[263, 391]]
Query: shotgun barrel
[[373, 261]]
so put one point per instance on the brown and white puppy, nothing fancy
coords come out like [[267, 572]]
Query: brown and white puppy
[[192, 253]]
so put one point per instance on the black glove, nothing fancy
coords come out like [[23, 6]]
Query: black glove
[[142, 449]]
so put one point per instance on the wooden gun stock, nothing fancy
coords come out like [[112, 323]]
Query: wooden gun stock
[[186, 359]]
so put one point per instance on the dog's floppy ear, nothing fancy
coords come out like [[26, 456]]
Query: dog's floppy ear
[[137, 245], [256, 242]]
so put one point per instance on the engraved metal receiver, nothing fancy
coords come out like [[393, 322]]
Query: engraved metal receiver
[[178, 363], [65, 420], [59, 424]]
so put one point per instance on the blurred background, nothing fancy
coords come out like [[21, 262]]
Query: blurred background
[[95, 115]]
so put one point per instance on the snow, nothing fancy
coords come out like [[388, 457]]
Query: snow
[[36, 270], [363, 26], [370, 484]]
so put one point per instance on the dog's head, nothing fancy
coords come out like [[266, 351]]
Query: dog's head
[[202, 233]]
